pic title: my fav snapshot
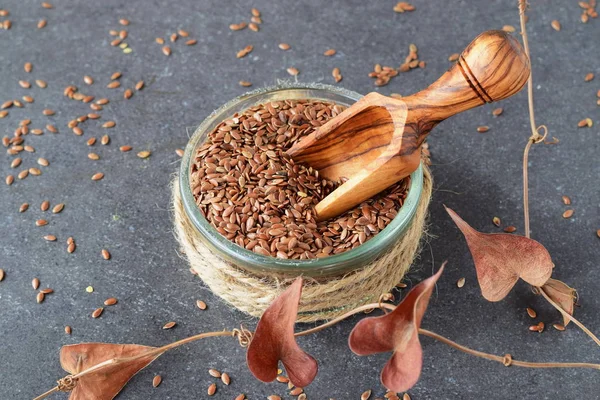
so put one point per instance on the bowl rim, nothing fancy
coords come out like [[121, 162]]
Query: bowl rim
[[254, 262]]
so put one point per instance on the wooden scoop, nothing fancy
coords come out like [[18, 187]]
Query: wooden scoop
[[376, 142]]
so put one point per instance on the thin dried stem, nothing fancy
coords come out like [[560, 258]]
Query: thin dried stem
[[569, 316]]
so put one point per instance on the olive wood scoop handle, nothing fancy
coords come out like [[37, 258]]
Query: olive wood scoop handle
[[376, 142]]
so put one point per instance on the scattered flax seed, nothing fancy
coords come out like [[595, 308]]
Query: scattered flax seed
[[144, 154], [105, 140], [173, 37], [97, 312], [284, 46], [508, 28], [183, 33], [3, 114], [240, 396], [93, 116], [88, 79], [16, 162], [461, 282], [2, 274], [169, 325], [531, 312], [329, 53], [588, 77], [68, 330], [483, 128], [114, 76], [50, 238], [200, 304], [77, 130], [282, 379], [113, 85], [71, 247], [166, 50], [598, 233], [110, 301], [159, 40], [497, 112], [296, 391], [40, 297], [496, 221], [406, 396], [105, 254], [273, 397], [89, 289], [41, 222], [48, 112], [245, 83], [28, 67], [109, 124], [179, 152], [366, 395], [225, 378], [6, 104], [212, 389], [403, 6], [510, 229], [566, 200], [559, 327], [24, 84], [42, 23], [534, 328], [214, 373], [23, 207], [293, 71], [41, 83], [127, 94], [28, 99], [91, 141], [123, 35], [156, 380], [337, 76], [46, 5], [47, 291], [93, 156], [97, 176], [253, 27], [555, 25], [45, 205], [139, 85], [116, 42], [124, 21], [238, 27], [35, 283], [568, 214], [245, 51], [191, 42]]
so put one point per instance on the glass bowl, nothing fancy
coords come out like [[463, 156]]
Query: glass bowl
[[246, 259]]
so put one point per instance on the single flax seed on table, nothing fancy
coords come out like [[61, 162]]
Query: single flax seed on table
[[252, 193]]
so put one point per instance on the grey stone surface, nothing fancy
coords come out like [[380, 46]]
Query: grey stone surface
[[128, 212]]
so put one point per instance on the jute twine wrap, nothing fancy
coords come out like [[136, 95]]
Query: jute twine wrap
[[322, 298]]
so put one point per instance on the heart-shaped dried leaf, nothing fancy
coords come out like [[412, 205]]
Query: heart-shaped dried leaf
[[561, 294], [501, 259], [274, 341], [108, 381], [397, 331]]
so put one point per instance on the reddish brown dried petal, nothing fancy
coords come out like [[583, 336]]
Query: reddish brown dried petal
[[397, 331], [274, 340], [561, 294], [107, 382], [501, 259]]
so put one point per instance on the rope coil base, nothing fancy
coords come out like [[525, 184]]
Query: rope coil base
[[322, 298]]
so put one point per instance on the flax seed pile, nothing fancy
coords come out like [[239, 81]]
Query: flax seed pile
[[257, 197]]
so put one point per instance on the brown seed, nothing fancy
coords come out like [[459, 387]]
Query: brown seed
[[127, 94], [225, 378], [3, 114], [35, 283], [496, 221], [45, 205], [28, 99], [41, 83], [173, 37], [169, 325], [179, 152], [42, 23], [71, 247], [510, 229], [497, 111], [29, 149], [555, 25], [105, 254], [245, 51], [183, 33], [559, 327], [102, 102], [23, 207], [166, 50], [47, 291], [253, 27], [16, 162], [508, 28], [483, 128], [105, 140], [40, 297], [293, 71], [110, 301], [159, 40], [115, 75], [123, 34], [461, 282], [48, 112], [41, 222], [568, 214], [50, 238], [24, 84], [109, 124], [68, 330], [6, 104], [329, 52], [156, 380], [93, 156], [116, 42], [125, 148], [588, 77], [245, 83], [88, 79], [91, 141], [273, 397], [77, 130], [540, 327], [406, 396], [191, 42], [124, 21], [113, 85], [97, 176], [2, 274], [144, 154], [214, 373], [598, 233], [139, 85], [212, 389], [240, 396], [97, 312], [296, 391], [200, 304], [531, 312], [366, 394], [93, 116], [453, 57], [284, 46], [566, 200], [28, 67], [46, 5]]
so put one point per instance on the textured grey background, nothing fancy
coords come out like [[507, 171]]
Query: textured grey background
[[127, 212]]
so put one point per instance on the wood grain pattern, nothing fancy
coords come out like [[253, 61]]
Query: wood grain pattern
[[376, 142]]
